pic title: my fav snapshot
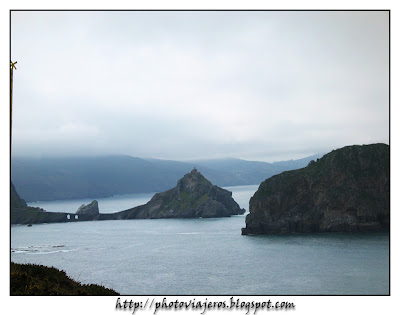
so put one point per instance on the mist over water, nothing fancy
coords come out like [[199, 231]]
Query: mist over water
[[207, 256]]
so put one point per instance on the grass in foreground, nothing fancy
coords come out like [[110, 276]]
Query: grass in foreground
[[30, 279]]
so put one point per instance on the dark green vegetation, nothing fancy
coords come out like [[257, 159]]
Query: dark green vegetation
[[193, 197], [29, 279], [94, 177], [346, 190]]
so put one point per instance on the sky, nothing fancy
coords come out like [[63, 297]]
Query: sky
[[256, 85]]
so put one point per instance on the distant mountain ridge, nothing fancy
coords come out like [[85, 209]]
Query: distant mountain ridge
[[93, 177]]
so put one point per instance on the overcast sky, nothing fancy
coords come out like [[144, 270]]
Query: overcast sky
[[187, 85]]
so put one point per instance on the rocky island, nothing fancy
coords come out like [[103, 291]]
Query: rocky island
[[193, 197], [346, 190]]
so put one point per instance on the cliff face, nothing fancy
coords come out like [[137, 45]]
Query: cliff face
[[91, 209], [193, 197], [345, 190], [16, 200]]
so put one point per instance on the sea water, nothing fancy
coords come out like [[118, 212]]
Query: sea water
[[203, 256]]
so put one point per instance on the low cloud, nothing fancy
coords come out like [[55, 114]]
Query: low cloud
[[185, 85]]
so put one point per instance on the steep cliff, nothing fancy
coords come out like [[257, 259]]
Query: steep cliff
[[346, 190], [16, 201], [193, 197]]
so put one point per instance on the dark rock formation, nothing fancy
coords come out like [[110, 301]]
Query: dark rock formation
[[92, 208], [193, 197], [345, 190], [20, 212], [16, 201]]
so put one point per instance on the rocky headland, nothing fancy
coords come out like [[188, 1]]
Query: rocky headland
[[21, 213], [193, 197], [16, 201], [345, 190]]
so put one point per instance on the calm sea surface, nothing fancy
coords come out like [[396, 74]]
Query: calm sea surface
[[202, 256]]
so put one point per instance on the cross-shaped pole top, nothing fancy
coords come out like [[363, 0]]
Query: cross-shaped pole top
[[12, 65]]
